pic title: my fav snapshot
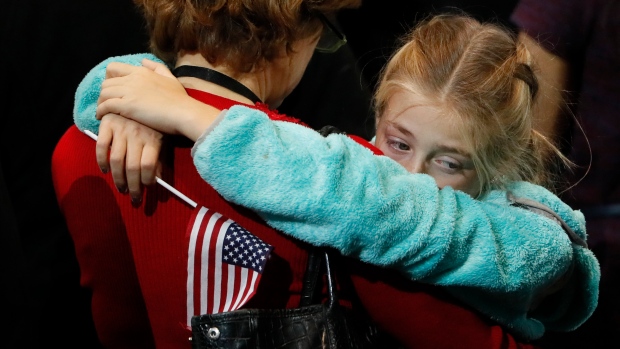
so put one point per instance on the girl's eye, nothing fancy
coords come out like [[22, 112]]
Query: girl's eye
[[398, 145], [449, 164]]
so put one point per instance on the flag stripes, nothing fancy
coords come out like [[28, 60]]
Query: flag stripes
[[224, 264]]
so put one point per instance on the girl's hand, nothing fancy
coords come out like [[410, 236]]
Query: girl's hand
[[152, 96], [136, 106], [133, 154]]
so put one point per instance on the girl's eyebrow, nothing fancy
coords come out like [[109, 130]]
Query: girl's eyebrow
[[440, 147], [401, 129], [448, 149], [467, 163]]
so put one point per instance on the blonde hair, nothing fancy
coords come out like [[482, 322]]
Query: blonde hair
[[480, 74], [245, 35]]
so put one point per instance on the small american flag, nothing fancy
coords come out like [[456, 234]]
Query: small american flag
[[225, 263]]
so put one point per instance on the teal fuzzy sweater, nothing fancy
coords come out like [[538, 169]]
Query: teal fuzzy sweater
[[331, 191]]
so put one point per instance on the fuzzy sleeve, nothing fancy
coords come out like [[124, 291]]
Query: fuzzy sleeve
[[333, 192], [87, 93]]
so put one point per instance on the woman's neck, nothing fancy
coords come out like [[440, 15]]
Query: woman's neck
[[250, 80]]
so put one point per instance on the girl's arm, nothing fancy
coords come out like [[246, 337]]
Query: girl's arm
[[333, 192]]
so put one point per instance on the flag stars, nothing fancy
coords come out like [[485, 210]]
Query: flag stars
[[243, 249]]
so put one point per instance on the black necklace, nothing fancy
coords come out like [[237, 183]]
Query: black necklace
[[216, 77]]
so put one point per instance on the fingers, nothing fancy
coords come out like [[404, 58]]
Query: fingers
[[112, 96], [130, 152], [108, 104], [104, 140], [159, 68], [133, 176], [115, 86], [144, 95], [150, 165], [118, 151], [118, 69], [141, 160]]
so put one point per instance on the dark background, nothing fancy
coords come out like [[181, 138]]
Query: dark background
[[47, 47]]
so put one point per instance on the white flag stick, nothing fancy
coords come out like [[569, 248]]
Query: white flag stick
[[157, 179]]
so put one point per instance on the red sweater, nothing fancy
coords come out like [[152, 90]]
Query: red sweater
[[133, 259]]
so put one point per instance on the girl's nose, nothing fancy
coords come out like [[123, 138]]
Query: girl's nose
[[416, 166]]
